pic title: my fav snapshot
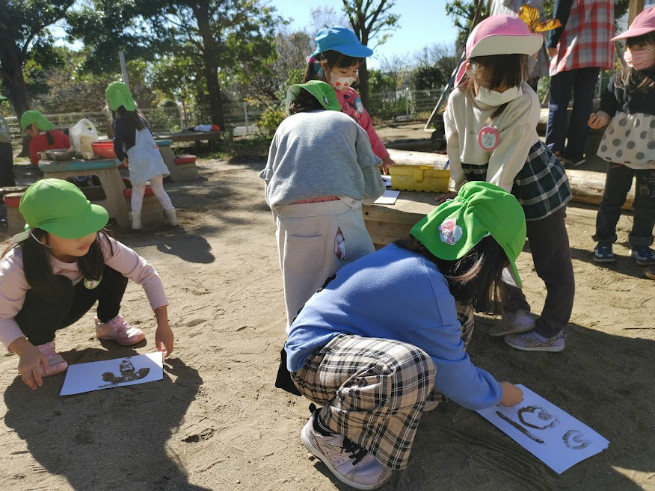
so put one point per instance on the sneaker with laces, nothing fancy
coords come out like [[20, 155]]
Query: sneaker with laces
[[513, 323], [532, 341], [603, 253], [56, 364], [643, 255], [349, 462], [119, 330]]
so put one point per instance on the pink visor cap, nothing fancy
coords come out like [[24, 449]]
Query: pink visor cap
[[500, 35], [642, 24]]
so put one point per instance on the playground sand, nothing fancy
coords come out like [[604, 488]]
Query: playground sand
[[217, 422]]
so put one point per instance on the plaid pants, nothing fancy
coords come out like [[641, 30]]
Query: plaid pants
[[372, 391]]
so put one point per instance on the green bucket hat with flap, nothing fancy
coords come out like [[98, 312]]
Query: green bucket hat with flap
[[323, 92], [118, 94], [59, 207], [453, 228], [31, 117]]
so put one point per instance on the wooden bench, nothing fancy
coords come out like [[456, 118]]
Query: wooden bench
[[107, 173], [211, 137]]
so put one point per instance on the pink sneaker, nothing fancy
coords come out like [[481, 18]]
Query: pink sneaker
[[56, 364], [119, 330]]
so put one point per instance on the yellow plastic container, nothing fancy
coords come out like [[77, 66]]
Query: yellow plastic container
[[419, 178]]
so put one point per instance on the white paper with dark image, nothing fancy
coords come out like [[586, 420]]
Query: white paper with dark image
[[552, 435], [96, 375]]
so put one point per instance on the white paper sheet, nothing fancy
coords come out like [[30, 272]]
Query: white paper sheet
[[387, 181], [96, 375], [550, 434], [388, 198]]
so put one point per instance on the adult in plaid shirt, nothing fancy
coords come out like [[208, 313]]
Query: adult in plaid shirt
[[578, 50]]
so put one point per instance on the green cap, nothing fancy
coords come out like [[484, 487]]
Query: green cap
[[323, 92], [59, 207], [31, 117], [453, 228], [118, 94]]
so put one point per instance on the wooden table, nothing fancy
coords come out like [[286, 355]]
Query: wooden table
[[191, 136], [111, 197], [386, 223]]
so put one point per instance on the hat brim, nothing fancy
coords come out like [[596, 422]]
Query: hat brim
[[520, 44], [633, 33], [93, 219], [348, 50]]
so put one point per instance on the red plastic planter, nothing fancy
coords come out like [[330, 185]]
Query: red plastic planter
[[185, 159], [12, 201]]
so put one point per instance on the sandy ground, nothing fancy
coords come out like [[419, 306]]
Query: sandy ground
[[216, 421]]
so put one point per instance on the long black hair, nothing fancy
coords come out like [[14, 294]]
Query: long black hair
[[36, 261], [139, 120], [476, 278]]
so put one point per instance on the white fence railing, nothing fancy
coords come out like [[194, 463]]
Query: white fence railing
[[241, 116]]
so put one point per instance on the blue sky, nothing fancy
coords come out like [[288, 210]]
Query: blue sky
[[422, 23]]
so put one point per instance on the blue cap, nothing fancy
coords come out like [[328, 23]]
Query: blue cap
[[341, 40]]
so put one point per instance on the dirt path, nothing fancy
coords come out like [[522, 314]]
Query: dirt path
[[216, 421]]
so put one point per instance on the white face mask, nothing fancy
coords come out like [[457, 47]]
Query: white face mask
[[341, 83], [494, 98]]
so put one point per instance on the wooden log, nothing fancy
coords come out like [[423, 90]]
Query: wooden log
[[586, 186], [408, 157]]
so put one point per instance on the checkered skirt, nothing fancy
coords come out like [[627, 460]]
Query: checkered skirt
[[541, 186]]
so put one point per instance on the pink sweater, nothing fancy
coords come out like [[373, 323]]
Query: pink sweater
[[352, 105], [13, 285]]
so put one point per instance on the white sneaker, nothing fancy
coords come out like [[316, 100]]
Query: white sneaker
[[349, 462], [515, 323]]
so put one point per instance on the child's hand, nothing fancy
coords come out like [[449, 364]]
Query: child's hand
[[31, 360], [598, 120], [512, 395], [551, 52], [164, 338], [386, 163], [124, 164]]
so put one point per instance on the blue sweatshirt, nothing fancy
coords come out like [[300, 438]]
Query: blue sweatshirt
[[396, 294]]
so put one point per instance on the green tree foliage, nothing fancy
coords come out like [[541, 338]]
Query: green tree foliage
[[466, 14], [370, 19], [380, 82], [24, 36], [221, 38]]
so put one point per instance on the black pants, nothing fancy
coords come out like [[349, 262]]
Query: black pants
[[551, 254], [6, 165], [40, 317], [617, 184]]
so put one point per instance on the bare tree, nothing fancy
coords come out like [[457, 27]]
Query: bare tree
[[370, 19], [327, 17]]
